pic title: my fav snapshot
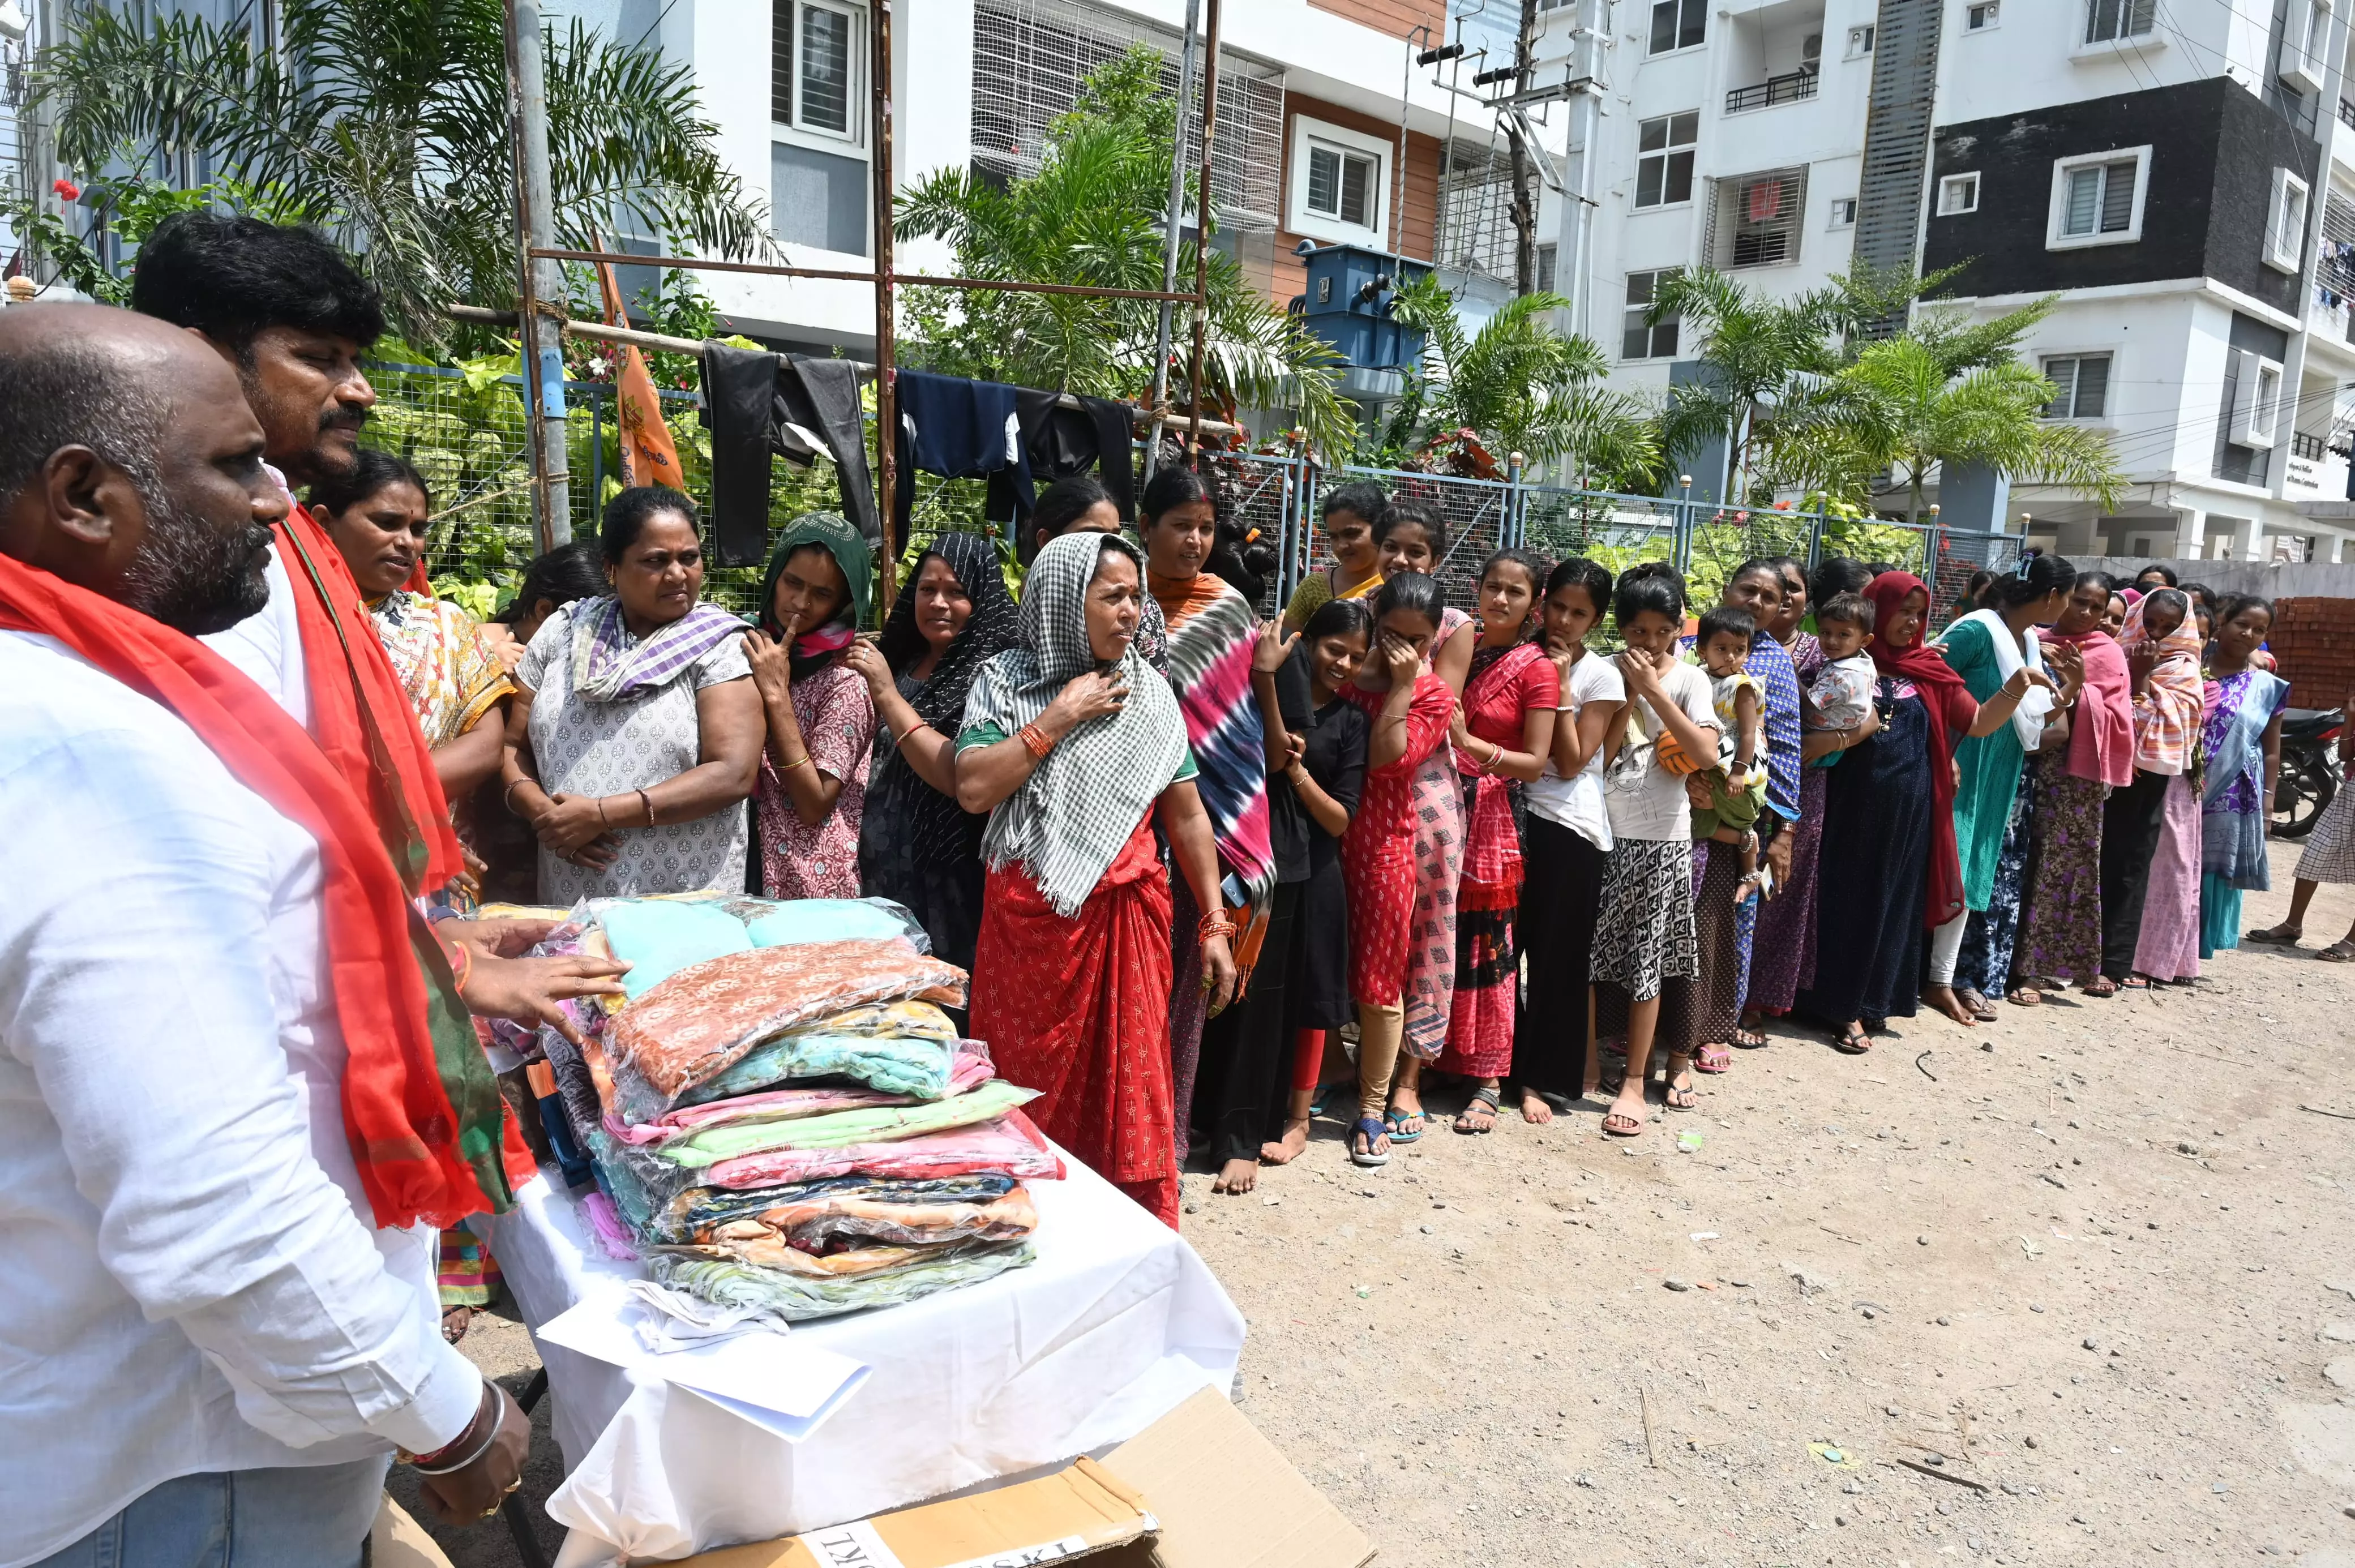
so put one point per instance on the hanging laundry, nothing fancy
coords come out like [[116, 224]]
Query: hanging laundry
[[756, 403], [1061, 441], [959, 429]]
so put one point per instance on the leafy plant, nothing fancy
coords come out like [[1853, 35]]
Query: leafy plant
[[1522, 387], [386, 122], [1092, 214]]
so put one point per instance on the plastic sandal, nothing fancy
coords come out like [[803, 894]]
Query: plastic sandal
[[1479, 1097], [1394, 1122], [1368, 1157], [1618, 1124], [1853, 1042], [1713, 1059]]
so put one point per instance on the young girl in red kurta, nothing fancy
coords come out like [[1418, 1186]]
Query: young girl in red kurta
[[1408, 712], [1503, 732]]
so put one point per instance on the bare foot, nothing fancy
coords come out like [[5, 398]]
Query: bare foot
[[1943, 998], [1534, 1109], [1237, 1175], [455, 1322], [1287, 1149]]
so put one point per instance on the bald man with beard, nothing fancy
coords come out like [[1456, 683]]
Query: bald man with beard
[[225, 1131]]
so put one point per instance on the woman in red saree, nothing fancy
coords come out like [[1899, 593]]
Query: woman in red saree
[[1503, 733], [1071, 742]]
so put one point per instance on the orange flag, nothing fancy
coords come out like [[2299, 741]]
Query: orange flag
[[649, 456]]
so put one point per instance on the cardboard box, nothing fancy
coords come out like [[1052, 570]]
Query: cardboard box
[[1226, 1498], [1198, 1488], [1075, 1512]]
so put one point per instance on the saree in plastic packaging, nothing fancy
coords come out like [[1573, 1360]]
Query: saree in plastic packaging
[[968, 1070], [695, 1211], [703, 1020], [844, 1129], [870, 1213], [923, 1066], [731, 1284]]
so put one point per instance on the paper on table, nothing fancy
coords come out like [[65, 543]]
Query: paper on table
[[781, 1383]]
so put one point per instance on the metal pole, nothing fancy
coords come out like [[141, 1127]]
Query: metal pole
[[1202, 227], [543, 280], [1406, 85], [1169, 233], [887, 415]]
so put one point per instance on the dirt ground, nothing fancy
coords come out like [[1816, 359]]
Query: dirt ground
[[2074, 1287]]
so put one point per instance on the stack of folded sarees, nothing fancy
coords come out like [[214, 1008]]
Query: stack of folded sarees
[[796, 1126]]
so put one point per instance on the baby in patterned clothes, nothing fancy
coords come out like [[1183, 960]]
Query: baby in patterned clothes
[[1841, 690]]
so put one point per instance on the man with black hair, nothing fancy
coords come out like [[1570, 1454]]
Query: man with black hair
[[233, 1101], [289, 311]]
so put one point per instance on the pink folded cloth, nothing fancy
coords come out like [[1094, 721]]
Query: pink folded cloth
[[968, 1069], [1009, 1145]]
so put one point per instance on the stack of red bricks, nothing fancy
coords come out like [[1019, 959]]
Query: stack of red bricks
[[2313, 640]]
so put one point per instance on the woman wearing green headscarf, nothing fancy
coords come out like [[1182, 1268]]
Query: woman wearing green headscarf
[[813, 788]]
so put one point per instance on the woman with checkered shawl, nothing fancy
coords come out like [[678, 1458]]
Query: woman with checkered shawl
[[1072, 742]]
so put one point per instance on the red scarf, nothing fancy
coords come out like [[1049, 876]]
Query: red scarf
[[1948, 703], [419, 1157], [360, 709]]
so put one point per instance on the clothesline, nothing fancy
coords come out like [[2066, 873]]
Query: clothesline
[[665, 344]]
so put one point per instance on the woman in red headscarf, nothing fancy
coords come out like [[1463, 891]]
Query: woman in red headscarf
[[1888, 871]]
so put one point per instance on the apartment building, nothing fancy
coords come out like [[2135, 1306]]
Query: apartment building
[[2181, 172]]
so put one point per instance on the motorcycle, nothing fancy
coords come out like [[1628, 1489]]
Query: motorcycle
[[2309, 769]]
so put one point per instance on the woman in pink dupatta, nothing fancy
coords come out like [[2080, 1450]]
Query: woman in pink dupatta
[[2168, 715], [2061, 916]]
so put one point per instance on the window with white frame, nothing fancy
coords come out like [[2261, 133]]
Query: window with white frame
[[2306, 40], [1664, 163], [1337, 188], [1843, 212], [2114, 21], [814, 59], [1544, 279], [1639, 338], [1958, 193], [818, 175], [2285, 223], [1678, 24], [2097, 198], [2081, 386], [2256, 399], [1754, 219], [1978, 19]]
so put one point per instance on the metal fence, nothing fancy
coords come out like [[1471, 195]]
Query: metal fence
[[465, 433]]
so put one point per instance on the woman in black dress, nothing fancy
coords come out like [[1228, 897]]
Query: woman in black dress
[[916, 845]]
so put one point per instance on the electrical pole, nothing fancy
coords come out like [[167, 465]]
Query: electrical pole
[[1169, 235], [542, 282], [1525, 206]]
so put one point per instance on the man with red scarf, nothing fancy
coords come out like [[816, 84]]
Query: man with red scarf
[[235, 1095]]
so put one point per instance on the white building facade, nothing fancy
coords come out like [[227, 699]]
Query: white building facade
[[2183, 178]]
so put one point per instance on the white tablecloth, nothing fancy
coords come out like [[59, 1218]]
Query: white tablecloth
[[1116, 1322]]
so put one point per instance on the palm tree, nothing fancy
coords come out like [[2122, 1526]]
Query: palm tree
[[1904, 404], [1092, 214], [386, 122], [1523, 387]]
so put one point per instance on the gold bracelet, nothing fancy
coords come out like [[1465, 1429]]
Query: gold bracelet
[[801, 762]]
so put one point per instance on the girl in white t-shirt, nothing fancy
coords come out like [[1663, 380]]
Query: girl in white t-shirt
[[1645, 955], [1566, 844]]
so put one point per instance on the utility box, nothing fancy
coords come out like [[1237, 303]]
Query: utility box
[[1348, 303]]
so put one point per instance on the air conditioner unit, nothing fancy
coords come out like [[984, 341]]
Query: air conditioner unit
[[1812, 50]]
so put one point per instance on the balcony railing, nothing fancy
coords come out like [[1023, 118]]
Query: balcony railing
[[2308, 446], [2345, 112], [1774, 90]]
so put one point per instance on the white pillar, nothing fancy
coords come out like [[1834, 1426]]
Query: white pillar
[[2191, 533]]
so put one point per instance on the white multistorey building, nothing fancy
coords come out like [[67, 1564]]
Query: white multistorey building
[[1327, 131], [2181, 172]]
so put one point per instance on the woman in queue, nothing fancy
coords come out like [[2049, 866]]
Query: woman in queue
[[635, 733], [1075, 746], [917, 845]]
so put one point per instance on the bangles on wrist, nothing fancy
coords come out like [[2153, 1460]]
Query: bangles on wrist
[[648, 802], [1215, 924], [506, 795], [432, 1465], [1035, 740]]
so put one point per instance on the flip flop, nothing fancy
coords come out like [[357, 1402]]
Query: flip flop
[[1672, 1090], [1976, 1005], [1853, 1042], [2336, 953], [2133, 983], [2101, 988], [1394, 1122], [2275, 936], [2025, 996], [1749, 1040], [1713, 1059], [1368, 1157]]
